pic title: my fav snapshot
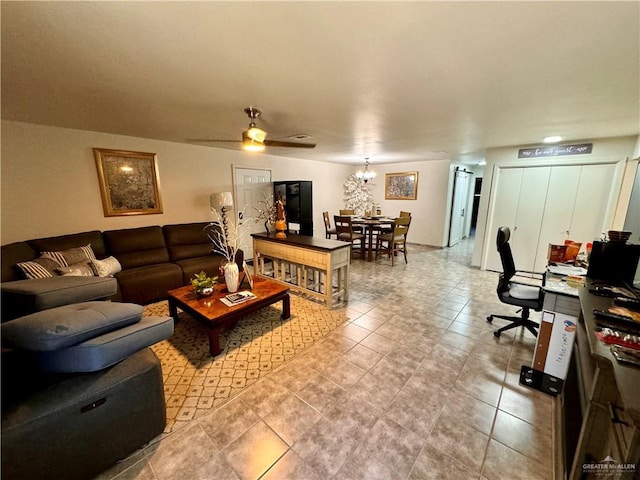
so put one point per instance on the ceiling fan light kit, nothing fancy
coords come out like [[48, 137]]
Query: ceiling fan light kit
[[254, 138]]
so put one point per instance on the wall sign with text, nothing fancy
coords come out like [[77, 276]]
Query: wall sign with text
[[556, 150]]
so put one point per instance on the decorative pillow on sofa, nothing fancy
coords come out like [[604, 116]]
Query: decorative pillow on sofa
[[42, 267], [107, 267], [72, 255], [80, 269]]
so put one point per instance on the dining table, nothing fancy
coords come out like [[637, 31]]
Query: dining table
[[370, 226]]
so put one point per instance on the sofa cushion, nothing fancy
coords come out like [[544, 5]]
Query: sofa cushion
[[43, 267], [209, 264], [11, 254], [68, 325], [137, 247], [186, 240], [108, 349], [23, 297], [149, 283], [65, 242]]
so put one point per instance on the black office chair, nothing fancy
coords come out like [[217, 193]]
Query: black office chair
[[527, 297]]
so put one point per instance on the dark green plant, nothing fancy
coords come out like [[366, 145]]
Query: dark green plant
[[202, 280]]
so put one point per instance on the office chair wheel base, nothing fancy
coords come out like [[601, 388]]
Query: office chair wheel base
[[496, 334], [489, 319]]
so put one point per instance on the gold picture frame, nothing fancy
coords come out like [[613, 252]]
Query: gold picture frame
[[401, 186], [129, 182]]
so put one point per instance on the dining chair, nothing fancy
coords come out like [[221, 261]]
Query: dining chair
[[346, 233], [405, 214], [327, 226], [356, 228], [396, 240]]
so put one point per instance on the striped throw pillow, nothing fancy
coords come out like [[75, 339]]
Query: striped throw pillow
[[71, 256], [39, 268]]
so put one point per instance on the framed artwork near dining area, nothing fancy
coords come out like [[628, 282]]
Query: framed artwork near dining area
[[401, 186]]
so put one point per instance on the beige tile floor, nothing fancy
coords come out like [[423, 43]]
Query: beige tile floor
[[414, 386]]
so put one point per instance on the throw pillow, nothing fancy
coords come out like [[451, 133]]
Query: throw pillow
[[107, 267], [72, 255], [80, 269], [39, 268]]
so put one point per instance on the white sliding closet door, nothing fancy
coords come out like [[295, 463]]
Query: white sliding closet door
[[531, 207], [518, 204], [505, 208], [561, 199], [545, 205], [594, 196]]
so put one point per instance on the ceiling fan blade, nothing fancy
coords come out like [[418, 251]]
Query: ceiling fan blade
[[212, 140], [280, 143]]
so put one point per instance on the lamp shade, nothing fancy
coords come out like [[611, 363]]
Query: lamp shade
[[221, 199]]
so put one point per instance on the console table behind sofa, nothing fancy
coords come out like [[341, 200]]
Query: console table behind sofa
[[315, 266]]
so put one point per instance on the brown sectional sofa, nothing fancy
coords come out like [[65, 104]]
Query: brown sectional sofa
[[154, 260]]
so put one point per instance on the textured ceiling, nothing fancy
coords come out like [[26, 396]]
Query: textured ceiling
[[393, 81]]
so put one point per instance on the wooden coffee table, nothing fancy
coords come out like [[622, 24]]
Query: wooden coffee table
[[215, 315]]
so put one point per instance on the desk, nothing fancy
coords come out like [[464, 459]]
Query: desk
[[318, 267], [598, 412], [554, 344], [370, 224]]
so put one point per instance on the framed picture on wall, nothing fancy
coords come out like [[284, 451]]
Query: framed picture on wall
[[401, 186], [129, 182]]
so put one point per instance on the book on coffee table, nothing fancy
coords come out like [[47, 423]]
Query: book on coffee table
[[237, 298]]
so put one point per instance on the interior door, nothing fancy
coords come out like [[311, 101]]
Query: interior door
[[531, 206], [252, 186], [458, 206], [560, 203], [505, 206], [592, 200]]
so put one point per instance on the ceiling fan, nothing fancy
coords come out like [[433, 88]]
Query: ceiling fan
[[254, 138]]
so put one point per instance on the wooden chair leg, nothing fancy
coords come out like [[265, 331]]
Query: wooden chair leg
[[392, 247]]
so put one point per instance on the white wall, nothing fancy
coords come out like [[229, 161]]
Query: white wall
[[616, 149], [50, 185], [429, 210]]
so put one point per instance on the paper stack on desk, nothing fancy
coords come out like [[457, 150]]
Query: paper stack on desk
[[566, 270]]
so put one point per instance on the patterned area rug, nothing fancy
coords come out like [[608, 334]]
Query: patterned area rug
[[195, 382]]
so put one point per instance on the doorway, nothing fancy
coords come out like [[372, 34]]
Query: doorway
[[477, 189], [457, 219]]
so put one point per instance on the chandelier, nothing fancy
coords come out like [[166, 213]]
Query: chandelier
[[367, 174]]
